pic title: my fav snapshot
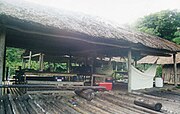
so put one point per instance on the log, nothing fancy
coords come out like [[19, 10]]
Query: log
[[87, 94], [153, 105]]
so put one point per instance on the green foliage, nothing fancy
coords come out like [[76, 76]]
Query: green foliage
[[13, 58], [159, 71], [163, 24], [177, 37], [177, 40]]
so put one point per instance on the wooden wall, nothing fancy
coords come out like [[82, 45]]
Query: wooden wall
[[168, 73]]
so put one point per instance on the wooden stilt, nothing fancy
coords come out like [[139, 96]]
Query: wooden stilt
[[41, 62], [30, 56], [129, 70], [4, 64], [2, 50], [175, 69], [23, 63]]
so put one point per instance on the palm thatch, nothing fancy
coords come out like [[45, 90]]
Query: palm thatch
[[160, 60], [86, 26]]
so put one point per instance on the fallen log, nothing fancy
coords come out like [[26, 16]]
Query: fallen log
[[153, 105], [87, 94]]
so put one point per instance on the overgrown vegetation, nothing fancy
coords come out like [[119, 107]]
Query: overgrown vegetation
[[165, 24]]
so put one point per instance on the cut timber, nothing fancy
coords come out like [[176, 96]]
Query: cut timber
[[88, 94], [95, 88], [148, 104]]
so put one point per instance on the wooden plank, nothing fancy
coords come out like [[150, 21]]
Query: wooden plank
[[56, 83], [7, 106], [14, 107], [50, 91], [34, 55], [54, 87], [2, 110], [49, 74], [2, 50]]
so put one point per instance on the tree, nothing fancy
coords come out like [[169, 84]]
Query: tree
[[177, 37], [164, 24]]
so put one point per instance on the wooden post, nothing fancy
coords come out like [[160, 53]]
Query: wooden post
[[4, 64], [41, 62], [30, 56], [129, 70], [2, 49], [175, 69], [23, 63], [68, 66], [135, 62], [7, 73], [92, 72]]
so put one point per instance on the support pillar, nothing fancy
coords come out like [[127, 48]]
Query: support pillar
[[92, 71], [23, 63], [41, 62], [30, 57], [2, 50], [135, 62], [129, 70], [175, 69], [4, 64]]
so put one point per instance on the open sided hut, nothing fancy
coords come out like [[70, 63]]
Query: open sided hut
[[59, 32], [167, 66]]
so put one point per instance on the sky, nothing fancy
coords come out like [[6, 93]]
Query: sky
[[120, 11]]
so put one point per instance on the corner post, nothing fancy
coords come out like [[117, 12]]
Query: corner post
[[129, 70], [175, 69]]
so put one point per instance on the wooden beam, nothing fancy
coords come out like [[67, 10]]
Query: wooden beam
[[2, 49], [129, 70], [27, 57], [175, 69]]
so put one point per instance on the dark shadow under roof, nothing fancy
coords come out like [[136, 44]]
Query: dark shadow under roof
[[55, 31]]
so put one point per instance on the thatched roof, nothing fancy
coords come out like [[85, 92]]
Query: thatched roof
[[160, 60], [23, 16]]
